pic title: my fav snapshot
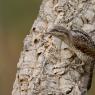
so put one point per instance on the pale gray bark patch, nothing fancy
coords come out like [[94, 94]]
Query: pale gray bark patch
[[46, 65]]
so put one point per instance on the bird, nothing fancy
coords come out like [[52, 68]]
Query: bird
[[81, 44], [79, 41]]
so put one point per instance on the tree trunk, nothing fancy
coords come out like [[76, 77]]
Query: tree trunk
[[47, 66]]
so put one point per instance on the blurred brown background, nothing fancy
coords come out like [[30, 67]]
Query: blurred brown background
[[16, 19]]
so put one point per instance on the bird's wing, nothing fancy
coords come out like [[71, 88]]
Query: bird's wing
[[84, 44]]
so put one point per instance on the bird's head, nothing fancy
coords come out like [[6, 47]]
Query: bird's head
[[59, 32]]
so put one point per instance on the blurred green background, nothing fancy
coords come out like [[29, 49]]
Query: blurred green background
[[16, 19]]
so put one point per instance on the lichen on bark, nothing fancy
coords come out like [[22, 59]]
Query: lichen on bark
[[46, 65]]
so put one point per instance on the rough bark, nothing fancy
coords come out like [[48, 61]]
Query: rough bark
[[47, 66]]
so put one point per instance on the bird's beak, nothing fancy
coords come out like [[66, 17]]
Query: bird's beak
[[51, 32], [48, 33]]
